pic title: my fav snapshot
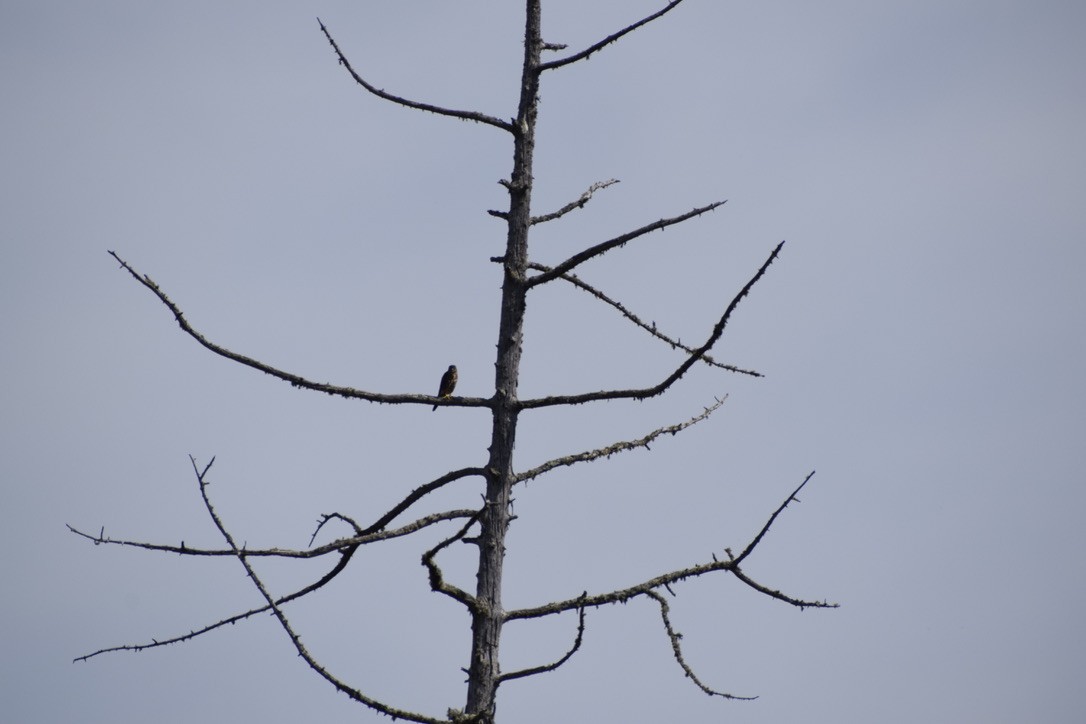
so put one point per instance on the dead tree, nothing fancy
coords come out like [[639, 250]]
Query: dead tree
[[486, 526]]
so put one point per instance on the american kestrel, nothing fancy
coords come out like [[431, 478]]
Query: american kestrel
[[448, 383]]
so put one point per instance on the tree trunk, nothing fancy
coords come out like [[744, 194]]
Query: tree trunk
[[487, 619]]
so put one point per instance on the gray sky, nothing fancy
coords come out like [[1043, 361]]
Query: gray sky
[[921, 337]]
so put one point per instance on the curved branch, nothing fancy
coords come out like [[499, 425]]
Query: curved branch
[[603, 247], [462, 115], [554, 665], [648, 392], [437, 579], [606, 41], [676, 649], [651, 329], [295, 380], [618, 446]]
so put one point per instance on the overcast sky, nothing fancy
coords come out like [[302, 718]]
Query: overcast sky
[[921, 338]]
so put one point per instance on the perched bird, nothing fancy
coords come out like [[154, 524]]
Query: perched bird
[[448, 383]]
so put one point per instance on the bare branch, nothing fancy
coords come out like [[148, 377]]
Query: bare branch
[[606, 41], [651, 329], [665, 580], [648, 392], [554, 665], [285, 623], [293, 379], [418, 493], [437, 579], [606, 246], [765, 529], [676, 649], [462, 115], [578, 204], [340, 545], [339, 567], [618, 446]]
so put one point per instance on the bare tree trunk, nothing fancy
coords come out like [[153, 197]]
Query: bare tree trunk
[[487, 620]]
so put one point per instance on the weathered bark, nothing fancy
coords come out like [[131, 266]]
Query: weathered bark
[[486, 626]]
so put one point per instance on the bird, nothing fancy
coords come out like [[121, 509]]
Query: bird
[[448, 383]]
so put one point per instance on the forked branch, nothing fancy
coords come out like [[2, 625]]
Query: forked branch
[[650, 328], [697, 354], [462, 115], [666, 579]]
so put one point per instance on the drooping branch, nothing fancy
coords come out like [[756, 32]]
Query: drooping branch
[[572, 205], [295, 639], [676, 649], [658, 389], [606, 41], [555, 664], [462, 115], [650, 328], [293, 379], [618, 447], [621, 240]]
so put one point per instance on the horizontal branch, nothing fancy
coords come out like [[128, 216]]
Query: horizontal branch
[[618, 446], [621, 240], [658, 389], [650, 328], [462, 115], [606, 41], [293, 379], [337, 545]]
